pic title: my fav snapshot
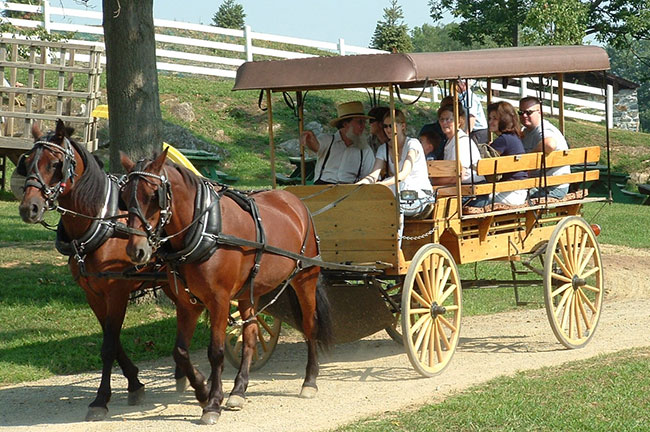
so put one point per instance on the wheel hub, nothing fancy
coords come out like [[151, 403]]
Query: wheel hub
[[577, 282], [436, 310]]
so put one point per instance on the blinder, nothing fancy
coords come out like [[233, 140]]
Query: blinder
[[121, 204], [21, 166]]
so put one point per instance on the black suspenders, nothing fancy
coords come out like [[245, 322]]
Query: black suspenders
[[327, 156]]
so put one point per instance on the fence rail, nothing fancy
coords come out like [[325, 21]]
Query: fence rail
[[215, 51]]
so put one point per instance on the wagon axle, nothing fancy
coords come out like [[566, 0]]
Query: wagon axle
[[577, 282]]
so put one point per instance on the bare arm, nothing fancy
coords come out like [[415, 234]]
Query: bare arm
[[405, 171], [309, 140], [549, 145], [375, 173]]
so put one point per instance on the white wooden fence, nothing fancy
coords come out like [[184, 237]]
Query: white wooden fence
[[196, 55]]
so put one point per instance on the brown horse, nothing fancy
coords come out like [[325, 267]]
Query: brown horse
[[59, 170], [278, 219]]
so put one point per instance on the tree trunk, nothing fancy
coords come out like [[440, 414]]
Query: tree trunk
[[135, 124]]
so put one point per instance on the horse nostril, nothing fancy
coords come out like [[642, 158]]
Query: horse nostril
[[140, 255], [34, 209]]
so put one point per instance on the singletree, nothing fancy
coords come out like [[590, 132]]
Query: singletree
[[391, 34], [229, 15]]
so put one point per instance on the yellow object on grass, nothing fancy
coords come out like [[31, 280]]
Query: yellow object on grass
[[101, 111]]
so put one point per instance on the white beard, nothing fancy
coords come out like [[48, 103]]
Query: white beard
[[357, 140]]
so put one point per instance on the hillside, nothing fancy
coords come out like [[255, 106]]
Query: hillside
[[234, 122]]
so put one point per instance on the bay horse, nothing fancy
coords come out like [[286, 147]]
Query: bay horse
[[57, 169], [163, 198]]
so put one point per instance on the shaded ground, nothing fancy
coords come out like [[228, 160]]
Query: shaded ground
[[358, 379]]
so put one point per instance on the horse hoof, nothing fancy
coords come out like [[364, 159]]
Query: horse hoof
[[203, 404], [235, 402], [308, 392], [210, 417], [181, 384], [96, 413], [136, 397]]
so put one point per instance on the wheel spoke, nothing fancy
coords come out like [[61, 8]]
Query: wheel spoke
[[583, 312], [423, 319], [260, 336], [563, 300], [264, 324], [590, 288], [590, 272], [452, 308], [423, 340], [450, 290], [434, 344], [426, 297], [564, 268], [584, 263], [566, 311], [574, 247], [581, 250], [562, 244], [561, 289], [419, 311], [576, 318], [443, 336], [585, 299], [419, 299], [443, 282], [560, 277], [449, 325]]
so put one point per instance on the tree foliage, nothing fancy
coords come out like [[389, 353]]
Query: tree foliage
[[428, 38], [613, 22], [391, 34], [229, 15]]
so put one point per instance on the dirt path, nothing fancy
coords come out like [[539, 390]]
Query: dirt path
[[358, 379]]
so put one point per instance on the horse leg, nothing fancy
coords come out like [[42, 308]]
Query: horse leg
[[186, 318], [218, 322], [115, 309], [237, 396], [316, 324]]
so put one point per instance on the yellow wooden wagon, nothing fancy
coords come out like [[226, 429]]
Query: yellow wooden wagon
[[412, 285]]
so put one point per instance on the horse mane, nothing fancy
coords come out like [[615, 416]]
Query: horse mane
[[188, 176], [88, 195]]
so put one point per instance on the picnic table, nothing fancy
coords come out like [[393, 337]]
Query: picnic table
[[295, 178], [206, 162]]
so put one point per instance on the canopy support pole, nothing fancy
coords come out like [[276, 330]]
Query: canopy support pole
[[301, 129], [271, 142]]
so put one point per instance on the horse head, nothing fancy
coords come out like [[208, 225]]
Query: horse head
[[49, 170], [146, 195]]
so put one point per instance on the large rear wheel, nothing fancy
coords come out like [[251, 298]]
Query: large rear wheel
[[268, 333], [431, 309], [573, 282]]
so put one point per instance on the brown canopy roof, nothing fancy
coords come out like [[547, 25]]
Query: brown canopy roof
[[410, 69]]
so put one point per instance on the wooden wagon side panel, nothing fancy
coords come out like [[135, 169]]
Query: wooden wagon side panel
[[356, 224]]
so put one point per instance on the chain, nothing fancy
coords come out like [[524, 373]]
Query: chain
[[421, 236]]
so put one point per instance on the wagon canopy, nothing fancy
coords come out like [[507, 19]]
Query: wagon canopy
[[414, 69]]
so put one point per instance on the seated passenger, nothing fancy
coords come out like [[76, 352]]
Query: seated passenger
[[430, 143], [503, 121], [345, 156], [413, 171], [377, 134], [531, 119], [469, 154], [434, 128]]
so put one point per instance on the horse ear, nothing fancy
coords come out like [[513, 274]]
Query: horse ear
[[126, 162], [158, 163], [60, 129], [36, 131]]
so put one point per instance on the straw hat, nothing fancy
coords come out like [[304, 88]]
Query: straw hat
[[349, 110]]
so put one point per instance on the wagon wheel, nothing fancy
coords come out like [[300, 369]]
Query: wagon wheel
[[268, 330], [395, 330], [573, 282], [431, 309]]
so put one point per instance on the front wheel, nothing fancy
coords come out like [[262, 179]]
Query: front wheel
[[268, 333], [431, 309], [573, 282]]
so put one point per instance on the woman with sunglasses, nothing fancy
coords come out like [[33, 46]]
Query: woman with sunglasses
[[413, 172]]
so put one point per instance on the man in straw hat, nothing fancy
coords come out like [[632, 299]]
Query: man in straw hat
[[342, 157]]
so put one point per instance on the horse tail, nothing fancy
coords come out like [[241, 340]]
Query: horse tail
[[324, 329], [322, 317]]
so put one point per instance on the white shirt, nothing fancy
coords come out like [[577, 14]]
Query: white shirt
[[467, 146], [532, 137], [344, 164], [474, 109], [418, 178]]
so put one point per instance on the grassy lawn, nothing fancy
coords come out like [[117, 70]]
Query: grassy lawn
[[604, 393]]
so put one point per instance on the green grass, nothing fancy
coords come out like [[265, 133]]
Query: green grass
[[622, 224], [605, 393]]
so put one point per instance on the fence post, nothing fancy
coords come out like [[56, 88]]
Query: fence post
[[341, 47], [46, 15], [610, 106], [248, 49]]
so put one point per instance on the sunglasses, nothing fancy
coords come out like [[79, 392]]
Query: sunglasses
[[527, 112], [389, 125]]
